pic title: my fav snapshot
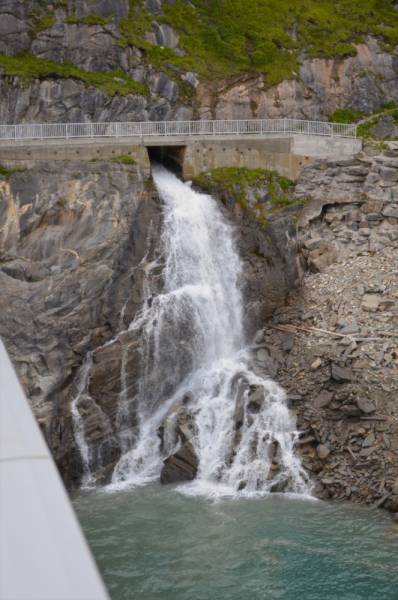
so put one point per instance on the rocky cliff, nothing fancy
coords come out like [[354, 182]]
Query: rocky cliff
[[79, 257], [153, 60]]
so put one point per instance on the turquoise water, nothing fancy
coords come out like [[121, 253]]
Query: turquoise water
[[156, 543]]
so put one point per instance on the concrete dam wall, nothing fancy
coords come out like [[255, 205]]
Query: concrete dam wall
[[187, 156]]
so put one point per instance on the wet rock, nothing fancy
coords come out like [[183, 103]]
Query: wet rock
[[255, 400], [262, 355], [181, 466], [186, 432], [259, 337], [239, 412]]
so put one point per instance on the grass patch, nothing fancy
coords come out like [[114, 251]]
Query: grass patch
[[26, 66], [345, 116], [8, 172], [123, 159], [91, 20], [233, 37]]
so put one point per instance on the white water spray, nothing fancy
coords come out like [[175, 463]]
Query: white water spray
[[194, 341]]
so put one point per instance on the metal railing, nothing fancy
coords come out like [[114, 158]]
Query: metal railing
[[169, 128]]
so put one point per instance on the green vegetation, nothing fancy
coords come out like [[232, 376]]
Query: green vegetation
[[26, 66], [345, 116], [123, 159], [232, 37], [8, 172], [236, 180], [90, 20], [44, 23]]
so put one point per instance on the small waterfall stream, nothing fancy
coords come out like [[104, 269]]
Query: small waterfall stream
[[194, 348]]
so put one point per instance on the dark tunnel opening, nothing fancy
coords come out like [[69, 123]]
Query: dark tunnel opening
[[171, 157]]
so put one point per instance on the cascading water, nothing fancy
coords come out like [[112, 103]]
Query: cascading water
[[237, 421]]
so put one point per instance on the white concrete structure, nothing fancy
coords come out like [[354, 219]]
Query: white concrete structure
[[43, 553]]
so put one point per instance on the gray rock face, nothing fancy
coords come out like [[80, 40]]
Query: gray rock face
[[91, 49], [162, 35], [72, 237], [68, 101], [166, 88]]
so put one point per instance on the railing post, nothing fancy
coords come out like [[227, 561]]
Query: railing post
[[67, 133], [91, 128], [284, 125], [15, 132], [308, 127], [165, 128], [189, 127], [140, 129], [41, 132]]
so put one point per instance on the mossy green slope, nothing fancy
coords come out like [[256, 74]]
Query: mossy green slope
[[26, 66], [231, 37]]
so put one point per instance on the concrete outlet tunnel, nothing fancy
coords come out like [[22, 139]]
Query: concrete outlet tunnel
[[172, 157]]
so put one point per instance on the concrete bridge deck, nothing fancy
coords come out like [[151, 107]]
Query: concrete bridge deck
[[190, 153]]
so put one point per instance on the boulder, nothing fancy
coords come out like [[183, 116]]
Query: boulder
[[349, 329], [341, 374], [317, 265], [370, 302], [368, 441], [262, 355], [180, 466], [288, 342], [313, 243], [365, 406], [367, 452], [323, 400], [259, 337], [323, 451], [351, 410]]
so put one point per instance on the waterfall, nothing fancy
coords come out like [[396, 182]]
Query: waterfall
[[78, 426], [194, 345]]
